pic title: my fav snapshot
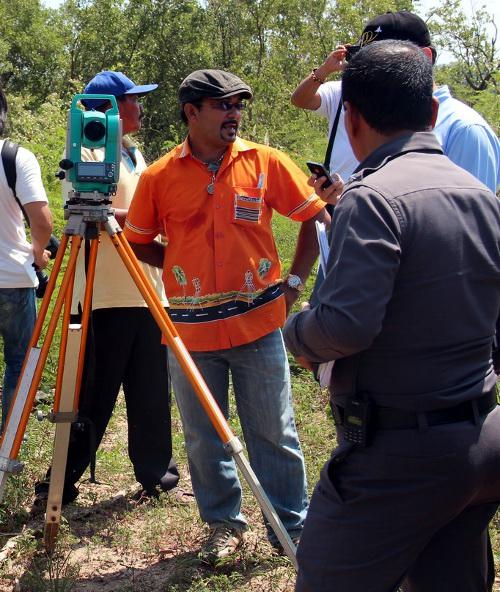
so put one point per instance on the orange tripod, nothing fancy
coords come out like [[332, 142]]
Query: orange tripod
[[86, 214]]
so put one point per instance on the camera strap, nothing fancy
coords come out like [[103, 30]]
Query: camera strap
[[333, 133], [9, 153]]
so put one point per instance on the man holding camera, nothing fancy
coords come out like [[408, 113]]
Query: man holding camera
[[213, 196], [407, 310], [124, 343], [464, 135], [18, 258]]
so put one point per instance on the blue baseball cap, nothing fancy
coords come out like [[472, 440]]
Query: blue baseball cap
[[113, 83]]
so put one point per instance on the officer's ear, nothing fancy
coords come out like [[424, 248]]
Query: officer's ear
[[358, 131], [435, 110], [351, 120], [429, 53]]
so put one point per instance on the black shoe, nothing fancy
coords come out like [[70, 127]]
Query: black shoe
[[70, 494], [144, 495]]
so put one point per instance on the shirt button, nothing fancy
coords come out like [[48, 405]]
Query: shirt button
[[219, 263], [217, 206]]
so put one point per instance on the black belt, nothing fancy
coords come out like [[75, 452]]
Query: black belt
[[389, 418]]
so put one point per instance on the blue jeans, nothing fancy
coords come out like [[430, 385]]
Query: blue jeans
[[261, 382], [17, 320]]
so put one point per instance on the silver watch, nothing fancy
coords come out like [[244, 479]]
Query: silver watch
[[294, 281]]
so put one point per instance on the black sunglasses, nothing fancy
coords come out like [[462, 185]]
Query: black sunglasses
[[228, 106]]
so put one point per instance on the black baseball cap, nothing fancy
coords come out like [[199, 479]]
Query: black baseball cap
[[215, 84], [401, 25]]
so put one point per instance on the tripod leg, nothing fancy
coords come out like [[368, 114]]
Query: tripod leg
[[71, 360], [64, 418], [30, 376], [231, 442]]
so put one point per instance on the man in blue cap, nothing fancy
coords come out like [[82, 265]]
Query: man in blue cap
[[124, 342]]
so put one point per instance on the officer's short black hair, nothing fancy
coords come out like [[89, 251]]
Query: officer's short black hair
[[390, 83], [3, 110]]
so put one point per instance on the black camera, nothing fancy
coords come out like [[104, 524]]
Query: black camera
[[351, 50], [43, 278]]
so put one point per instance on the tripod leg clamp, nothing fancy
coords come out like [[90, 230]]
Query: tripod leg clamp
[[62, 417], [9, 465], [233, 446]]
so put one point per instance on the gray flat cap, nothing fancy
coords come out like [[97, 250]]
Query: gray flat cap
[[215, 84]]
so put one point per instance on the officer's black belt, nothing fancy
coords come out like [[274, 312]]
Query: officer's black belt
[[390, 418]]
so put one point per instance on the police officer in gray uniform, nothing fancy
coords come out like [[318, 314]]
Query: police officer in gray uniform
[[407, 311]]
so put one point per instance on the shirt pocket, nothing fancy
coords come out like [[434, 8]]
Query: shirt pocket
[[247, 206]]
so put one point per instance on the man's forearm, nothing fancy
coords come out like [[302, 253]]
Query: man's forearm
[[307, 248], [151, 253], [41, 228], [305, 96]]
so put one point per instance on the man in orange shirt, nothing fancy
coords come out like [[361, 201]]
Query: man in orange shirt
[[213, 197]]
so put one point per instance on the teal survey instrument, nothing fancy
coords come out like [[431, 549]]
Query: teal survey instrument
[[93, 129]]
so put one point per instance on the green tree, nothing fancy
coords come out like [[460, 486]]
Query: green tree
[[172, 43], [31, 49], [471, 41], [43, 131]]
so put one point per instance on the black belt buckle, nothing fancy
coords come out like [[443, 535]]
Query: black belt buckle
[[357, 423]]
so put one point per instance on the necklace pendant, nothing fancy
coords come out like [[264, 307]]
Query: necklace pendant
[[211, 188]]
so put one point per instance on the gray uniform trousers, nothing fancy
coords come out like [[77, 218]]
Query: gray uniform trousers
[[410, 510]]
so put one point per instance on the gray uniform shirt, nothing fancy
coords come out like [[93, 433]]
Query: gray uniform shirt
[[412, 291]]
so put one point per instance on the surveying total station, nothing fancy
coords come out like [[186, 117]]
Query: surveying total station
[[92, 129], [88, 211]]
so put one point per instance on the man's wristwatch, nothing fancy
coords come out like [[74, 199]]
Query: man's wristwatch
[[294, 281]]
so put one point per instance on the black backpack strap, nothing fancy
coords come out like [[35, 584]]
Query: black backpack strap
[[9, 153], [331, 140]]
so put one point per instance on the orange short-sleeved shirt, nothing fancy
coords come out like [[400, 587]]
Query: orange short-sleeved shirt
[[221, 268]]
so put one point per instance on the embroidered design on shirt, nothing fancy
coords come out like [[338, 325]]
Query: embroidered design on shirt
[[249, 286], [228, 308], [197, 291], [264, 267], [247, 208], [180, 278], [220, 298]]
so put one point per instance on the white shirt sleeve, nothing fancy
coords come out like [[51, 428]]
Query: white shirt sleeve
[[29, 185], [330, 94]]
